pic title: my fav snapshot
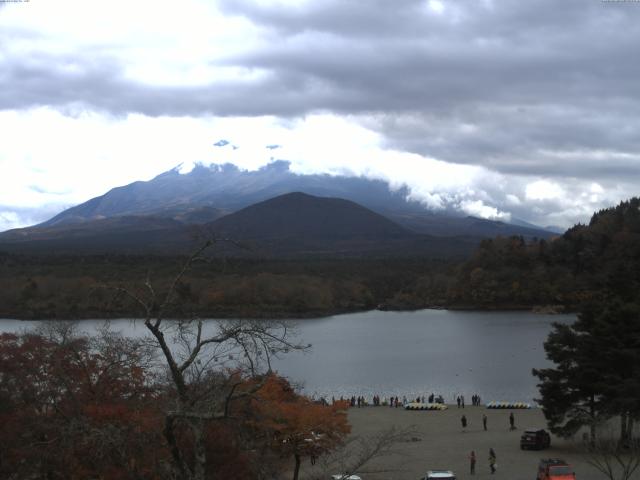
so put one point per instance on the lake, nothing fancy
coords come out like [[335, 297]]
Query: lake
[[410, 353]]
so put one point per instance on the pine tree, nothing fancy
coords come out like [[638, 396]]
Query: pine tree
[[571, 396]]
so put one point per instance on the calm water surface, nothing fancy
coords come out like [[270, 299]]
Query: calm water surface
[[409, 353]]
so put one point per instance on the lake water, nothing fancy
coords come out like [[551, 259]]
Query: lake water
[[410, 353]]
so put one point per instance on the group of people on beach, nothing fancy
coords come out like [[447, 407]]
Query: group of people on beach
[[396, 401], [464, 422], [377, 400], [475, 400], [492, 453]]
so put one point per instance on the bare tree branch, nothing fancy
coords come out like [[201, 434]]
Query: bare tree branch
[[359, 452]]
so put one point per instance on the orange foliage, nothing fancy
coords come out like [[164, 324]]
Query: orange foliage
[[297, 425]]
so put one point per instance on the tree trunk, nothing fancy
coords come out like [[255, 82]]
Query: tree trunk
[[200, 450], [592, 434], [178, 462], [592, 426], [296, 470], [626, 424]]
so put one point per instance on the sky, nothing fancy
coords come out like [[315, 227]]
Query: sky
[[503, 109]]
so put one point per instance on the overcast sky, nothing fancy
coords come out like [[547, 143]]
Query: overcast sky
[[498, 108]]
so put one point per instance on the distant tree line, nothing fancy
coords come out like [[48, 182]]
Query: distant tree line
[[70, 287]]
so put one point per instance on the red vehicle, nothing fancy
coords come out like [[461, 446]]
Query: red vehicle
[[555, 469]]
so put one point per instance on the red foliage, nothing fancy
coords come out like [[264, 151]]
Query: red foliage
[[69, 411], [78, 408]]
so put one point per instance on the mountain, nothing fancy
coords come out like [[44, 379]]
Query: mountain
[[207, 193], [298, 224], [290, 225], [300, 215], [227, 188]]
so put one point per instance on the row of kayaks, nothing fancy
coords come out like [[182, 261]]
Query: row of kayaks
[[510, 405], [441, 406], [425, 406]]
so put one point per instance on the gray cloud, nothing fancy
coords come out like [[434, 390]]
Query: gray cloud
[[546, 88]]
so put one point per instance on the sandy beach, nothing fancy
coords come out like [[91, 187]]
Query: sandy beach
[[444, 445]]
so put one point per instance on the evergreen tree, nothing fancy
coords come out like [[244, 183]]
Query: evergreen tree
[[571, 396], [597, 372], [617, 329]]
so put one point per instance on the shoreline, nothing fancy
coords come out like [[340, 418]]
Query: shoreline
[[281, 315]]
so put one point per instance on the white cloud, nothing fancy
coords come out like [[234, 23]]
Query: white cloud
[[50, 161], [513, 200], [543, 190], [157, 43], [436, 6], [47, 157], [478, 209]]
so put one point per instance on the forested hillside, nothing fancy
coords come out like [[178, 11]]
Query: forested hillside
[[503, 273], [82, 286], [582, 264]]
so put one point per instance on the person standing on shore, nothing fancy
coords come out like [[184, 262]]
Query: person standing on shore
[[458, 400], [484, 421], [463, 420], [512, 422], [462, 400], [472, 463], [492, 461]]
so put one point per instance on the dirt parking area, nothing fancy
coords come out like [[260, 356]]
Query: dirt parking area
[[444, 445]]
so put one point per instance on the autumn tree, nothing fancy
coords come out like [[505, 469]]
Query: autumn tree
[[208, 366], [295, 426], [76, 407]]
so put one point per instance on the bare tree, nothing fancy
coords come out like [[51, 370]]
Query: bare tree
[[615, 460], [208, 364], [359, 452]]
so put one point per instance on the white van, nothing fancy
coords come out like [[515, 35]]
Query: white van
[[440, 475]]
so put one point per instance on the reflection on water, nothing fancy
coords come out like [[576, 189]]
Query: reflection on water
[[409, 353]]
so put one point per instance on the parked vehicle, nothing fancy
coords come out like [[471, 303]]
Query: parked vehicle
[[439, 475], [343, 477], [535, 439], [554, 469]]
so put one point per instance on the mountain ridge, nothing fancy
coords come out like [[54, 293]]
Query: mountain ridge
[[226, 189], [290, 225]]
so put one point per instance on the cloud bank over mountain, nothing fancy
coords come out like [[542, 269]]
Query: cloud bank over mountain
[[503, 109]]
